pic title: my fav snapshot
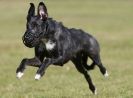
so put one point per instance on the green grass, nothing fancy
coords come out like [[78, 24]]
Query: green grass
[[110, 21]]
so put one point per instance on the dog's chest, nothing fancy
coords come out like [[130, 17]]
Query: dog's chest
[[50, 45]]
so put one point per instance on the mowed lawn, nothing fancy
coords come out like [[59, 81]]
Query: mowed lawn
[[110, 21]]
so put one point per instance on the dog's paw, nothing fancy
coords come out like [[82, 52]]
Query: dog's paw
[[19, 75], [37, 77], [95, 92], [106, 74]]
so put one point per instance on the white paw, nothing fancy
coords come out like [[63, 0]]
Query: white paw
[[37, 77], [106, 74], [19, 75], [95, 92]]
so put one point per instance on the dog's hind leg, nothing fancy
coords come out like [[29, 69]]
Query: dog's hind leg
[[96, 59], [84, 62], [78, 64]]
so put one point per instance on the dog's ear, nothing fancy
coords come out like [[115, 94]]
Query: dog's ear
[[31, 11], [42, 11]]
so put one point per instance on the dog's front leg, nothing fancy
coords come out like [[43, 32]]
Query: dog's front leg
[[45, 64], [32, 62]]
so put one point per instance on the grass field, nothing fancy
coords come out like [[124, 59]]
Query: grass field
[[110, 21]]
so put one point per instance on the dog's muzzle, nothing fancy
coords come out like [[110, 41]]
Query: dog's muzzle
[[29, 41]]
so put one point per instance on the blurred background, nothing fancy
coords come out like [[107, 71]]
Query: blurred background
[[110, 21]]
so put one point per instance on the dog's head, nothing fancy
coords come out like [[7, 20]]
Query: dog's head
[[36, 25]]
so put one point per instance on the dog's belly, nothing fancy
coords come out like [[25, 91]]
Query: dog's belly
[[60, 63]]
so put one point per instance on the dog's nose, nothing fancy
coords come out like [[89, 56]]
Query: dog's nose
[[28, 37]]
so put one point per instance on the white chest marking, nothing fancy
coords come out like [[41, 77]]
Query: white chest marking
[[50, 45]]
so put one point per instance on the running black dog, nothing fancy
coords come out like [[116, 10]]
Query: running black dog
[[56, 44]]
